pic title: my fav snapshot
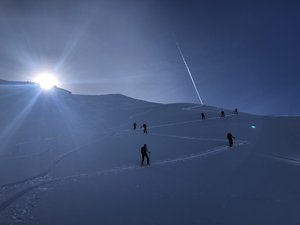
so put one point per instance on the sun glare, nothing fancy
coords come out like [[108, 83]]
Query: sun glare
[[46, 80]]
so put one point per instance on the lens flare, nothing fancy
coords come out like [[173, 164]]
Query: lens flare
[[46, 80]]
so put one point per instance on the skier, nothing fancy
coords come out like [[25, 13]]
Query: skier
[[144, 152], [230, 138], [145, 128], [202, 116], [134, 125], [236, 111], [222, 114]]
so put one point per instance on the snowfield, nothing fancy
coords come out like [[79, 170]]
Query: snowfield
[[72, 159]]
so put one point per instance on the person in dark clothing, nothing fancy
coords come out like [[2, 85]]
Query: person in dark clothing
[[222, 114], [134, 125], [230, 138], [236, 111], [144, 126], [202, 116], [144, 152]]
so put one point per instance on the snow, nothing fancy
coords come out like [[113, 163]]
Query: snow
[[74, 159]]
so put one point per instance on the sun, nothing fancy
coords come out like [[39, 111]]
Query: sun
[[46, 80]]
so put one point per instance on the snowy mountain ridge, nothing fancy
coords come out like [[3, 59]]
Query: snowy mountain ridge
[[75, 159]]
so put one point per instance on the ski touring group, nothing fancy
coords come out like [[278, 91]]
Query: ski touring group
[[144, 149]]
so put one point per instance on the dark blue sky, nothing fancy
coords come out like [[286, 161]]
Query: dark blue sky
[[242, 54]]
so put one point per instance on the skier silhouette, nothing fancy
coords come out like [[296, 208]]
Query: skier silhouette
[[236, 111], [202, 116], [222, 114], [230, 138], [144, 152], [145, 128], [134, 125]]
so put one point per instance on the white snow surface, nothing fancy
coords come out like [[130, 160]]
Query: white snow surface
[[70, 159]]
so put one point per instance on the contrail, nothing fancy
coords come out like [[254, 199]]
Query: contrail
[[188, 70]]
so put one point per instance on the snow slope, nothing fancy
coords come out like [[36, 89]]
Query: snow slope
[[70, 159]]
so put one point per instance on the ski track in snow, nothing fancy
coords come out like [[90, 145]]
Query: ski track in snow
[[183, 122], [282, 158], [53, 164], [213, 151], [42, 178], [190, 121], [208, 152], [194, 108], [189, 138]]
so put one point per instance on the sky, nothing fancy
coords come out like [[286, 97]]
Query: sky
[[242, 54]]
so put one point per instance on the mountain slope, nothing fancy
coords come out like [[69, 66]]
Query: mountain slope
[[69, 159]]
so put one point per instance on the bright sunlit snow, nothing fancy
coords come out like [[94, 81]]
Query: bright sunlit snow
[[75, 159], [46, 80]]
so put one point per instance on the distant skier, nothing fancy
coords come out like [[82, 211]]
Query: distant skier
[[230, 138], [222, 114], [134, 125], [144, 152], [202, 116], [144, 126], [235, 111]]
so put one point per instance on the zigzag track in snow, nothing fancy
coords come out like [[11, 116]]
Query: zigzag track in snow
[[190, 121], [188, 138], [212, 151], [194, 108], [209, 152], [282, 158], [183, 122], [32, 179]]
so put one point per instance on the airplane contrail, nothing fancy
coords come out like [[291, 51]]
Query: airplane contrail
[[189, 72]]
